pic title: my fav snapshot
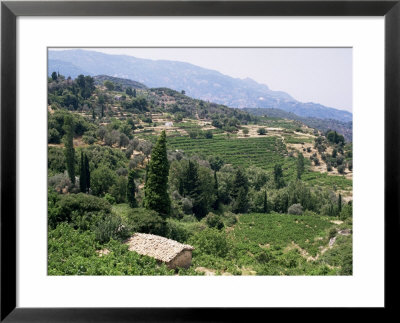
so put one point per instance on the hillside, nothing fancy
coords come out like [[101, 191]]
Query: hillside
[[345, 128], [197, 82], [253, 195]]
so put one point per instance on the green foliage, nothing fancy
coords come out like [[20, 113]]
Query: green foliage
[[300, 165], [262, 131], [156, 187], [56, 160], [131, 189], [146, 221], [81, 210], [211, 242], [102, 179], [71, 252], [346, 212], [214, 221], [278, 176], [69, 147], [109, 85], [334, 137], [295, 209]]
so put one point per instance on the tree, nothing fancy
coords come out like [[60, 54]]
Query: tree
[[102, 179], [300, 165], [265, 202], [216, 203], [82, 177], [129, 91], [239, 192], [245, 131], [87, 170], [69, 146], [191, 187], [241, 203], [54, 76], [109, 85], [239, 182], [261, 131], [278, 176], [340, 203], [215, 163], [156, 187], [131, 188]]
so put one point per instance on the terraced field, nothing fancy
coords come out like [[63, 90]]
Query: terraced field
[[263, 152]]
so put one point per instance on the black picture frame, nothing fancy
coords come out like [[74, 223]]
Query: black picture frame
[[10, 10]]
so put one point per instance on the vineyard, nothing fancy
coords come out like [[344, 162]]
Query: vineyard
[[277, 244], [262, 152]]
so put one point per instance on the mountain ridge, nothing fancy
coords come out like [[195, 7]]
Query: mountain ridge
[[196, 81]]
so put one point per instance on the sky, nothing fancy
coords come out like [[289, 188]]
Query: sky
[[319, 75]]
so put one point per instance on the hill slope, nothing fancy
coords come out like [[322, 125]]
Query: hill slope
[[197, 82]]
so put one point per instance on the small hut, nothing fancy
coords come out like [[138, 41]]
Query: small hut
[[170, 252]]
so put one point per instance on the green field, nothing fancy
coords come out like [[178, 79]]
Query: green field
[[278, 244], [262, 152]]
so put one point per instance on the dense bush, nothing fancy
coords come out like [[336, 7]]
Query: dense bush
[[110, 227], [81, 210], [146, 221], [214, 221], [295, 209], [212, 242]]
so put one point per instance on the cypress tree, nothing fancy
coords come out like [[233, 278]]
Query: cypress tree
[[278, 176], [240, 181], [156, 187], [82, 177], [239, 192], [192, 189], [69, 146], [131, 188], [265, 206], [241, 203], [300, 165], [87, 171], [340, 203], [216, 188]]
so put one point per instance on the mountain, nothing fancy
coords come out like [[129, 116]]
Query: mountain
[[197, 82], [125, 83]]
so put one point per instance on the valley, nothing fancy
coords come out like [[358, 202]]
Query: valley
[[254, 195]]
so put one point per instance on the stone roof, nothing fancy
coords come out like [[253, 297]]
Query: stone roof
[[157, 247]]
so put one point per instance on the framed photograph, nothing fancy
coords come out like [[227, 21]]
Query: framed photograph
[[181, 160]]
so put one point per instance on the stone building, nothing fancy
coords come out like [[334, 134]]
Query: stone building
[[170, 252]]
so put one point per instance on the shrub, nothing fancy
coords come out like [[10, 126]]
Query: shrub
[[214, 221], [146, 221], [229, 219], [187, 205], [341, 169], [90, 140], [110, 227], [295, 209], [109, 198], [53, 136], [82, 210], [176, 231], [261, 131], [212, 242], [347, 212]]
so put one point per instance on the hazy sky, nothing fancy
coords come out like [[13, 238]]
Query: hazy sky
[[320, 75]]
